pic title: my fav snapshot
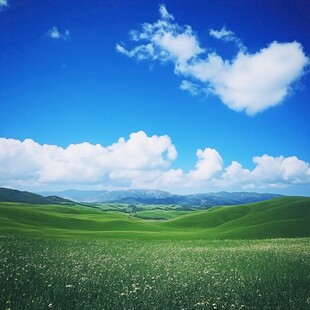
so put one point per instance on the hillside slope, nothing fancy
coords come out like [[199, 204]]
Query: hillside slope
[[279, 217], [276, 218], [13, 195]]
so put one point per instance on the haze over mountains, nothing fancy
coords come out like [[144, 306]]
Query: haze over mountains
[[153, 197], [141, 196]]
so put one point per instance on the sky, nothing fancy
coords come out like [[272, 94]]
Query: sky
[[184, 96]]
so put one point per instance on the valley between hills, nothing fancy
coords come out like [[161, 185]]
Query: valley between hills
[[28, 213]]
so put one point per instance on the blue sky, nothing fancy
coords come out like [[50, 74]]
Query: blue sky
[[185, 96]]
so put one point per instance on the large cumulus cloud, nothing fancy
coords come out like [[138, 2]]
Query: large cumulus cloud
[[141, 161], [250, 82]]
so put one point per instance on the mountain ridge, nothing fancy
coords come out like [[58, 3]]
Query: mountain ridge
[[135, 196], [146, 196]]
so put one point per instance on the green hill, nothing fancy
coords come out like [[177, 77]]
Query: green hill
[[275, 218], [13, 195], [56, 220], [280, 217]]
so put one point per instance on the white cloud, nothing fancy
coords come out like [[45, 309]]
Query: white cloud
[[55, 34], [84, 162], [3, 3], [259, 81], [227, 36], [173, 177], [235, 172], [191, 87], [164, 13], [209, 163], [222, 34], [141, 161], [167, 41], [281, 169], [181, 47], [269, 172], [210, 174], [250, 82]]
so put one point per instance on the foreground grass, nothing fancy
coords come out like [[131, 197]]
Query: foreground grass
[[45, 273]]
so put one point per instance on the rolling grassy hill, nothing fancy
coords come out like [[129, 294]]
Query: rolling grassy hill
[[12, 195], [275, 218], [280, 217]]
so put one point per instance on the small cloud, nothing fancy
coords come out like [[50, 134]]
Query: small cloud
[[227, 36], [164, 13], [167, 41], [221, 34], [192, 88], [250, 82], [3, 3], [208, 165], [55, 34]]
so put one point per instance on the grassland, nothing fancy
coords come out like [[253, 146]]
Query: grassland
[[85, 257], [48, 273], [276, 218]]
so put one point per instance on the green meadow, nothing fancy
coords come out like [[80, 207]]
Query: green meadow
[[254, 256], [277, 218]]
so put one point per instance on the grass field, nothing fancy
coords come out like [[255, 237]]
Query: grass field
[[79, 257], [47, 273]]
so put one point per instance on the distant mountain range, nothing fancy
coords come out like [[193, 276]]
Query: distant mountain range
[[157, 197], [135, 196]]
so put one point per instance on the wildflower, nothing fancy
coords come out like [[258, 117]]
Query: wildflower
[[8, 305]]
